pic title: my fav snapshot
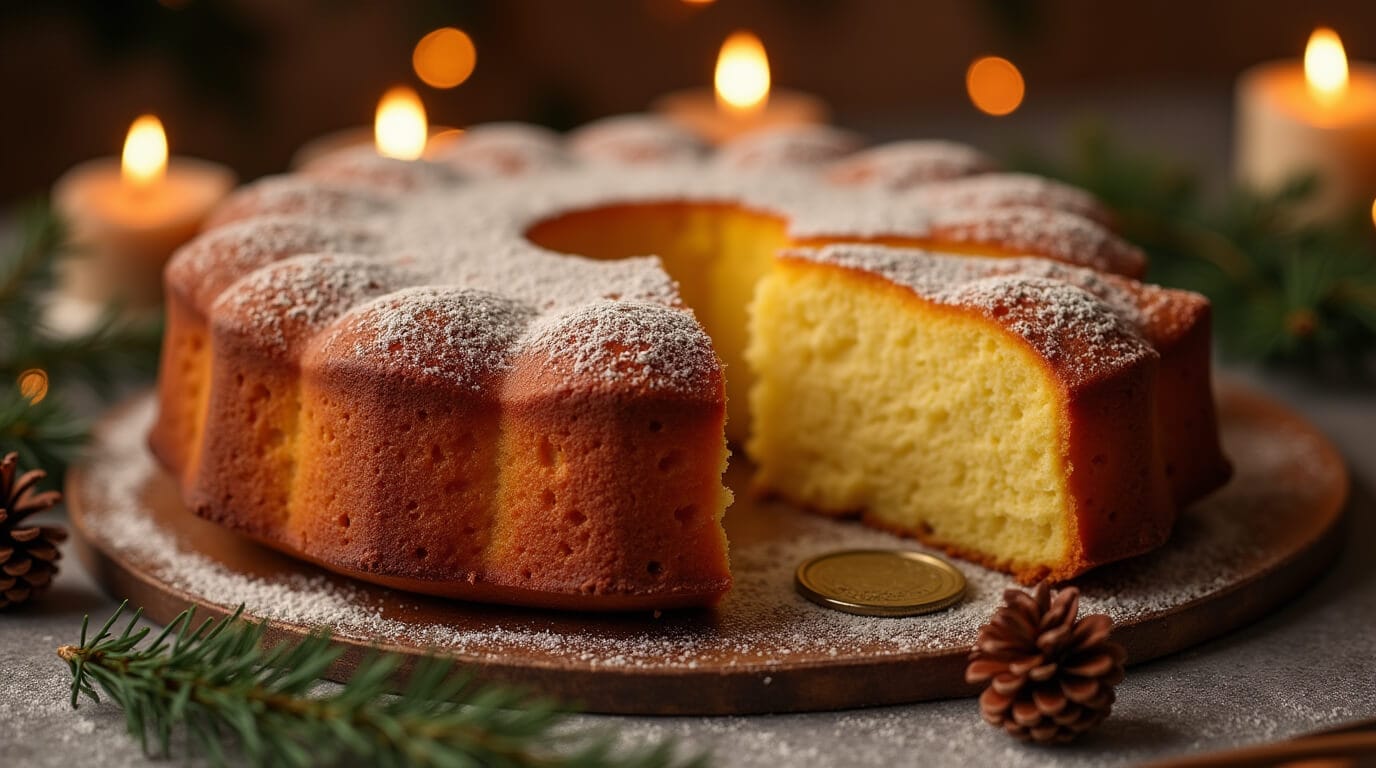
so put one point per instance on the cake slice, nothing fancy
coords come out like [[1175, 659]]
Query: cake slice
[[1018, 412]]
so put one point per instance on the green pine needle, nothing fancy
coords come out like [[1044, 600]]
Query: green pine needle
[[26, 269], [235, 696], [45, 433]]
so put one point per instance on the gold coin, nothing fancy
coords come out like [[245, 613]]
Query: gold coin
[[880, 582]]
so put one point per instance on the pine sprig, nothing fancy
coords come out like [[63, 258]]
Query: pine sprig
[[26, 269], [43, 430], [1284, 289], [232, 694], [111, 350], [44, 434]]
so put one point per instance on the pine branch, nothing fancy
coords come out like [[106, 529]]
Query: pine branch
[[218, 683], [112, 348], [43, 431], [27, 269], [44, 434], [110, 351]]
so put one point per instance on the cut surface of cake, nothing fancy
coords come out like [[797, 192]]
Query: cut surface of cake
[[1011, 411], [504, 374]]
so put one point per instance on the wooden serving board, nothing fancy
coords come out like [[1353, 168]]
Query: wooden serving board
[[1234, 557]]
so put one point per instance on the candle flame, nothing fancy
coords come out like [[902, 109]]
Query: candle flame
[[995, 85], [144, 161], [1325, 66], [742, 77], [400, 129]]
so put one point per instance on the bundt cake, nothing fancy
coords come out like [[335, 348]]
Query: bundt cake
[[503, 373]]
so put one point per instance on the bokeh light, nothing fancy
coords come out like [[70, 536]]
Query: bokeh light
[[444, 58], [33, 385], [995, 86]]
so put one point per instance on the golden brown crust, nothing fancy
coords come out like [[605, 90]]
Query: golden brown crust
[[406, 480]]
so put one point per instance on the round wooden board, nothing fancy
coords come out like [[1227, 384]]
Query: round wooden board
[[1234, 557]]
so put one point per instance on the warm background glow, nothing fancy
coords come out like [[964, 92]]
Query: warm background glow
[[742, 77], [1325, 65], [144, 161], [995, 85], [33, 385], [441, 139], [400, 129], [444, 58]]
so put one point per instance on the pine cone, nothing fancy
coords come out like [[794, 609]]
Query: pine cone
[[1050, 677], [28, 554]]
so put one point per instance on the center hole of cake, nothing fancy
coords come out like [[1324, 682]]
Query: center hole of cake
[[716, 252]]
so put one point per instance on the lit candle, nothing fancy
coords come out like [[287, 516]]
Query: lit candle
[[1316, 116], [742, 99], [127, 215], [399, 120]]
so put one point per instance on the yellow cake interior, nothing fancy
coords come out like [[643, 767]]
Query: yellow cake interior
[[717, 253], [926, 418]]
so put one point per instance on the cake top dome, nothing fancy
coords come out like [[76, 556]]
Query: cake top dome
[[367, 255]]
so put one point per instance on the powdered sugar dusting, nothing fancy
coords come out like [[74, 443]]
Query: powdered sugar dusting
[[1041, 231], [213, 261], [289, 195], [279, 305], [904, 164], [762, 624], [1067, 325], [791, 146], [458, 335], [362, 166], [633, 140], [639, 343], [1002, 190], [1084, 322], [503, 149]]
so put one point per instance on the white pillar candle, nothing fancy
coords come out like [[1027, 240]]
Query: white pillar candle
[[1323, 121], [698, 111], [400, 130], [126, 217], [742, 99], [348, 138]]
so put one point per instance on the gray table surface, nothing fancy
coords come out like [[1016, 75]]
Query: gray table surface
[[1308, 666]]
